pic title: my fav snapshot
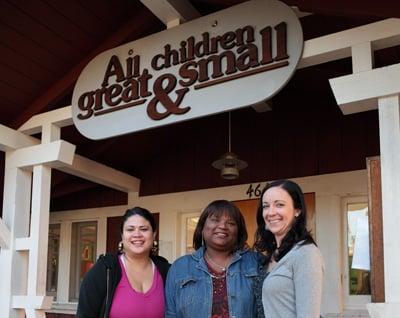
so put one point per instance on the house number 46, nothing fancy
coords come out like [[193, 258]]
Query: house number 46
[[254, 190]]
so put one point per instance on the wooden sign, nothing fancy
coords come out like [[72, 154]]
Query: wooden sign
[[230, 59]]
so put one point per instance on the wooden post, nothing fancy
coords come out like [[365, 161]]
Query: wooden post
[[375, 230]]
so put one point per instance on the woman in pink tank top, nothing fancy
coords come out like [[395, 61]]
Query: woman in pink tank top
[[129, 284]]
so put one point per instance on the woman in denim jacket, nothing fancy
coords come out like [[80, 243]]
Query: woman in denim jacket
[[217, 280]]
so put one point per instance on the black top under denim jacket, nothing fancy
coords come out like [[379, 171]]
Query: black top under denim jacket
[[258, 283]]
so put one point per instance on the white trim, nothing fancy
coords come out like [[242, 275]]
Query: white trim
[[11, 139], [335, 46], [389, 135], [360, 91], [61, 117], [39, 230], [64, 262], [5, 235], [56, 153], [101, 174], [32, 302]]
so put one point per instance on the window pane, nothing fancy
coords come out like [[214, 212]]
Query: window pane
[[52, 259], [83, 254], [358, 249], [191, 223]]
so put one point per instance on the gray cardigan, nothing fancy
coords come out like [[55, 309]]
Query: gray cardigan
[[293, 288]]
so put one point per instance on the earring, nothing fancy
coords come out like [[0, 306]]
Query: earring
[[120, 247], [154, 249]]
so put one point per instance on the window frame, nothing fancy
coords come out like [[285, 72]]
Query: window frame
[[351, 302], [61, 302], [182, 236], [51, 293], [75, 260]]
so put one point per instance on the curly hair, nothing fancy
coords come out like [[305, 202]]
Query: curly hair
[[265, 240]]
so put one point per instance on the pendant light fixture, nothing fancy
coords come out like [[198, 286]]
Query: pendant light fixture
[[229, 163]]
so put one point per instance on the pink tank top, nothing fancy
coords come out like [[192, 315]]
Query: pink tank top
[[128, 303]]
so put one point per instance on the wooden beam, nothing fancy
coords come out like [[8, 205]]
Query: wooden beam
[[60, 155], [11, 139], [352, 9], [4, 235], [53, 154], [23, 244], [39, 230], [101, 174], [64, 85], [32, 302], [169, 10], [338, 45], [61, 117], [60, 152], [360, 92]]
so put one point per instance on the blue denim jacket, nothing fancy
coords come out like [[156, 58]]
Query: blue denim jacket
[[189, 286]]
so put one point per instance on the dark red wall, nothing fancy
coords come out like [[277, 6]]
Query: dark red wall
[[288, 142], [303, 142]]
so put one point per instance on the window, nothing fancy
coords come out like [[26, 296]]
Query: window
[[357, 259], [358, 249], [83, 254], [188, 225], [53, 259], [191, 223]]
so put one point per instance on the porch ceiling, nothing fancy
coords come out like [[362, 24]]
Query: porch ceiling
[[44, 45]]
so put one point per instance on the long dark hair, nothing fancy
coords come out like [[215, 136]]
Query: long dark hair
[[218, 208], [265, 240]]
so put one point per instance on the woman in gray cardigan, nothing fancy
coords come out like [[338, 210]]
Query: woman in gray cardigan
[[294, 267]]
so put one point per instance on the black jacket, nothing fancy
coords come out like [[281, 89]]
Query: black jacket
[[99, 284]]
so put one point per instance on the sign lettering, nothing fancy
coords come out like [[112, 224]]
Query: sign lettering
[[131, 88]]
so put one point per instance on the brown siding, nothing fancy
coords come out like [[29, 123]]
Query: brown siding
[[290, 142], [274, 147], [95, 197]]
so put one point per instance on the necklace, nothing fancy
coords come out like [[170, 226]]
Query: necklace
[[218, 277], [222, 268]]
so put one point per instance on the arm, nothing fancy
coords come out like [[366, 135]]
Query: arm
[[308, 277], [92, 292], [170, 311], [170, 290]]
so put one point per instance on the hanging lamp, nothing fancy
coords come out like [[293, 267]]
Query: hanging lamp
[[229, 163]]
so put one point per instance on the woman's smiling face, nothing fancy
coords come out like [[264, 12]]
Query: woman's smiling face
[[278, 212], [137, 235], [220, 232]]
